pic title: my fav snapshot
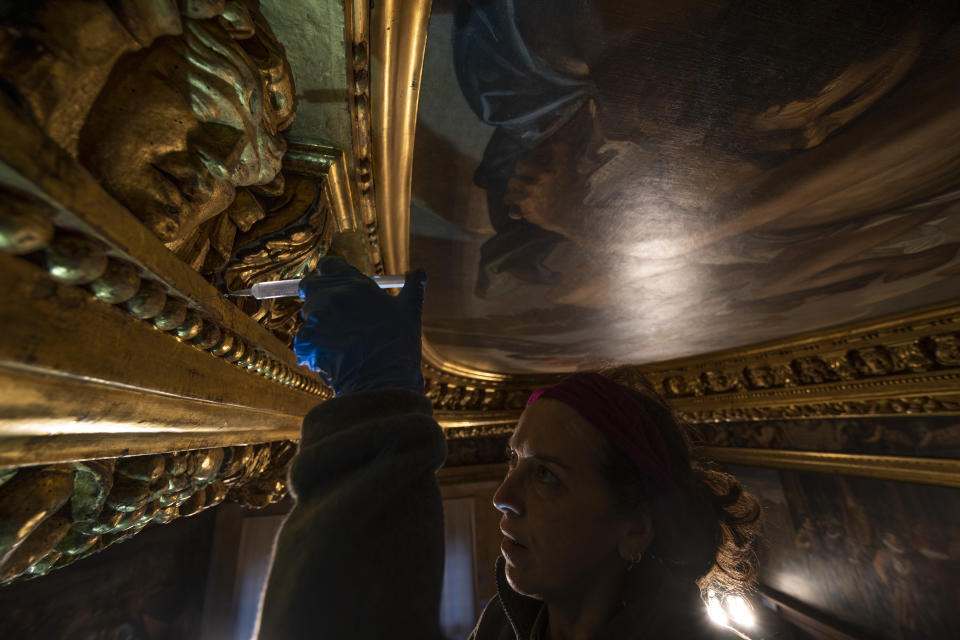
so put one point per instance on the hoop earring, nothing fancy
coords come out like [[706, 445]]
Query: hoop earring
[[635, 560]]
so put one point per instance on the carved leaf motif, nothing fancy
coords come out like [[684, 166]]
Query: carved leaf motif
[[26, 502], [875, 361], [51, 516], [813, 371], [947, 349], [911, 357], [296, 231], [842, 368], [92, 483]]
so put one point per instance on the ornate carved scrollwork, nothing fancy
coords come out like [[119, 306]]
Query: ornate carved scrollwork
[[452, 392], [185, 131], [935, 349], [837, 409], [906, 436], [51, 516], [889, 366], [358, 73], [297, 231], [311, 217]]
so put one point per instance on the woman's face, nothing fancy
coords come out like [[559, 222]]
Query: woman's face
[[562, 531]]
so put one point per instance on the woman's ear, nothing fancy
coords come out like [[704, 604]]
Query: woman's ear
[[638, 536]]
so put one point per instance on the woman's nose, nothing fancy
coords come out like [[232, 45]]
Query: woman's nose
[[507, 499]]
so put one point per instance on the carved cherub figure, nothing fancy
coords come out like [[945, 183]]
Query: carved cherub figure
[[176, 107], [222, 92]]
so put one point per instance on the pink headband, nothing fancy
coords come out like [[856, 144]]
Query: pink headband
[[620, 417]]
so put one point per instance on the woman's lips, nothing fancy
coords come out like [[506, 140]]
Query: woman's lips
[[509, 546]]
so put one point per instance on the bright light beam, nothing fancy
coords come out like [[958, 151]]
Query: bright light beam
[[715, 611], [737, 608]]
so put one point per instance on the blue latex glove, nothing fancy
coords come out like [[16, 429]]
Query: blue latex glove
[[357, 336]]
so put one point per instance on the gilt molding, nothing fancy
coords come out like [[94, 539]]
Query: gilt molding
[[357, 40], [53, 515], [53, 416], [75, 263], [398, 39], [452, 392], [935, 471], [906, 363]]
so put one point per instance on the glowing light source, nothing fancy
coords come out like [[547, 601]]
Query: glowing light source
[[714, 610], [734, 610], [738, 609]]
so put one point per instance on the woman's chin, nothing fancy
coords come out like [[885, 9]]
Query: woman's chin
[[519, 581]]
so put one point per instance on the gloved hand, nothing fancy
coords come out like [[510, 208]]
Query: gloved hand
[[357, 336]]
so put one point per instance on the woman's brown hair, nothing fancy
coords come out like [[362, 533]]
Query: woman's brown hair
[[707, 529]]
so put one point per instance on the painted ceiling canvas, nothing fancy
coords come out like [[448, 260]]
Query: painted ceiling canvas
[[601, 181]]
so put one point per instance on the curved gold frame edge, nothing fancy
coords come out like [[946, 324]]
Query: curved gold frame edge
[[395, 98], [398, 40], [943, 472]]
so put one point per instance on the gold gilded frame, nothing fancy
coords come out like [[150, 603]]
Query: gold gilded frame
[[934, 471], [398, 42], [903, 364]]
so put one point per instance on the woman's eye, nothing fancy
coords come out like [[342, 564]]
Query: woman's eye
[[545, 475], [512, 458]]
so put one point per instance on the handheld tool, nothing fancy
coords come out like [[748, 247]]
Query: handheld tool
[[291, 288]]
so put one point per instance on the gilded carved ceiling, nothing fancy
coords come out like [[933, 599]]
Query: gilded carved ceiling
[[636, 182]]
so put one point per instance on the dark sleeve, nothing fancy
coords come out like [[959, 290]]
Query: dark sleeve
[[361, 554]]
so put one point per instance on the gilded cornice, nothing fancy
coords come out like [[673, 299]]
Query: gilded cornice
[[935, 471], [357, 41], [904, 363], [54, 515], [453, 392], [908, 363]]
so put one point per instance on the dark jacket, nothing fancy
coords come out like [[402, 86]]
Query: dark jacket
[[676, 613], [360, 557]]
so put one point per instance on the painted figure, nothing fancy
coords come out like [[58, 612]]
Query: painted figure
[[745, 145]]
